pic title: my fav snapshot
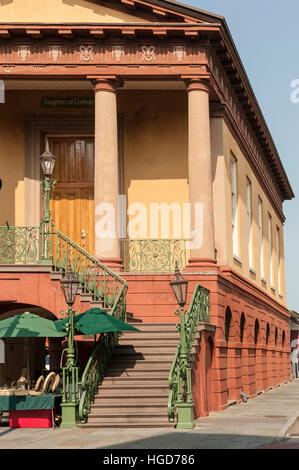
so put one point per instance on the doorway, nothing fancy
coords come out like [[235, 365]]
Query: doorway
[[72, 204]]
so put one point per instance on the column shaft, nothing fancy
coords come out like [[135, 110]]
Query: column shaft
[[106, 174], [200, 172]]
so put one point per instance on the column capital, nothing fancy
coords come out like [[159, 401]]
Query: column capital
[[196, 83], [110, 84]]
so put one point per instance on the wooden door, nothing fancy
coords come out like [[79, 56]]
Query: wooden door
[[72, 205]]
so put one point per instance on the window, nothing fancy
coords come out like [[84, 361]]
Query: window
[[278, 258], [260, 211], [249, 222], [233, 171], [270, 248]]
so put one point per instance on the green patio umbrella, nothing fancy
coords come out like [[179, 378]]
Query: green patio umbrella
[[95, 321], [28, 325]]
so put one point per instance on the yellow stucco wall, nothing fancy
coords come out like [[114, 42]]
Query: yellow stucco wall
[[242, 266], [60, 11], [155, 151]]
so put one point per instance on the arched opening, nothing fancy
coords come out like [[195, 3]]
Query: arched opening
[[41, 354], [227, 333], [228, 320], [256, 331], [242, 327], [283, 338], [209, 362], [267, 333], [276, 336]]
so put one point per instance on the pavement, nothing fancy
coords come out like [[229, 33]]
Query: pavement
[[269, 421]]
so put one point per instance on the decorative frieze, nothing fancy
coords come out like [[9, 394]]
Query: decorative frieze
[[86, 53], [55, 52], [167, 53], [23, 52], [179, 52], [118, 52], [149, 53]]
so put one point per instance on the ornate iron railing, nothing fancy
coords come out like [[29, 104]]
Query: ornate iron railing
[[45, 244], [20, 245], [96, 279], [95, 369], [153, 254], [180, 373]]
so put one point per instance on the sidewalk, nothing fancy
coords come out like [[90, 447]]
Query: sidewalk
[[261, 422]]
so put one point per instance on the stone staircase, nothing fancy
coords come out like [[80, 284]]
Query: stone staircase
[[135, 390]]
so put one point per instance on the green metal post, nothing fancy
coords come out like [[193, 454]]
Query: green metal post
[[47, 255], [185, 409], [70, 405]]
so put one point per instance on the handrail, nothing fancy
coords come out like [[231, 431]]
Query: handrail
[[179, 380], [94, 371], [96, 278]]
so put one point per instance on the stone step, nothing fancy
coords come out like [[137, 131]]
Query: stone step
[[157, 327], [148, 342], [150, 335], [135, 398], [133, 419], [126, 364], [130, 408], [156, 372], [132, 391], [146, 349], [107, 425], [114, 412], [142, 357], [136, 380]]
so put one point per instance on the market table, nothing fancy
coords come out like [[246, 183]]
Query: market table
[[30, 411]]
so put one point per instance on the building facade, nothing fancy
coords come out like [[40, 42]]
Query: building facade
[[162, 156]]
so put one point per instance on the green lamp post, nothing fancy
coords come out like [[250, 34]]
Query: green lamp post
[[47, 160], [185, 409], [70, 393]]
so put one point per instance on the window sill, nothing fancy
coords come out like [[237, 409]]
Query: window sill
[[264, 280], [273, 289], [253, 271], [236, 258]]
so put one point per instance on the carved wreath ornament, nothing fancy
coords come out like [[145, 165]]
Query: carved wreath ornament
[[148, 53], [86, 53]]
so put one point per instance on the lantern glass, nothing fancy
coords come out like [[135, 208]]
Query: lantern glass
[[69, 285], [47, 160], [179, 286]]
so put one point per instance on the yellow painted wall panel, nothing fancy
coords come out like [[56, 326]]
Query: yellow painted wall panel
[[61, 11]]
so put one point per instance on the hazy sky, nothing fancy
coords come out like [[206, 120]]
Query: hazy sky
[[266, 34]]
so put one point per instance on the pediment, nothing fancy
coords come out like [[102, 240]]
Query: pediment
[[99, 11]]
